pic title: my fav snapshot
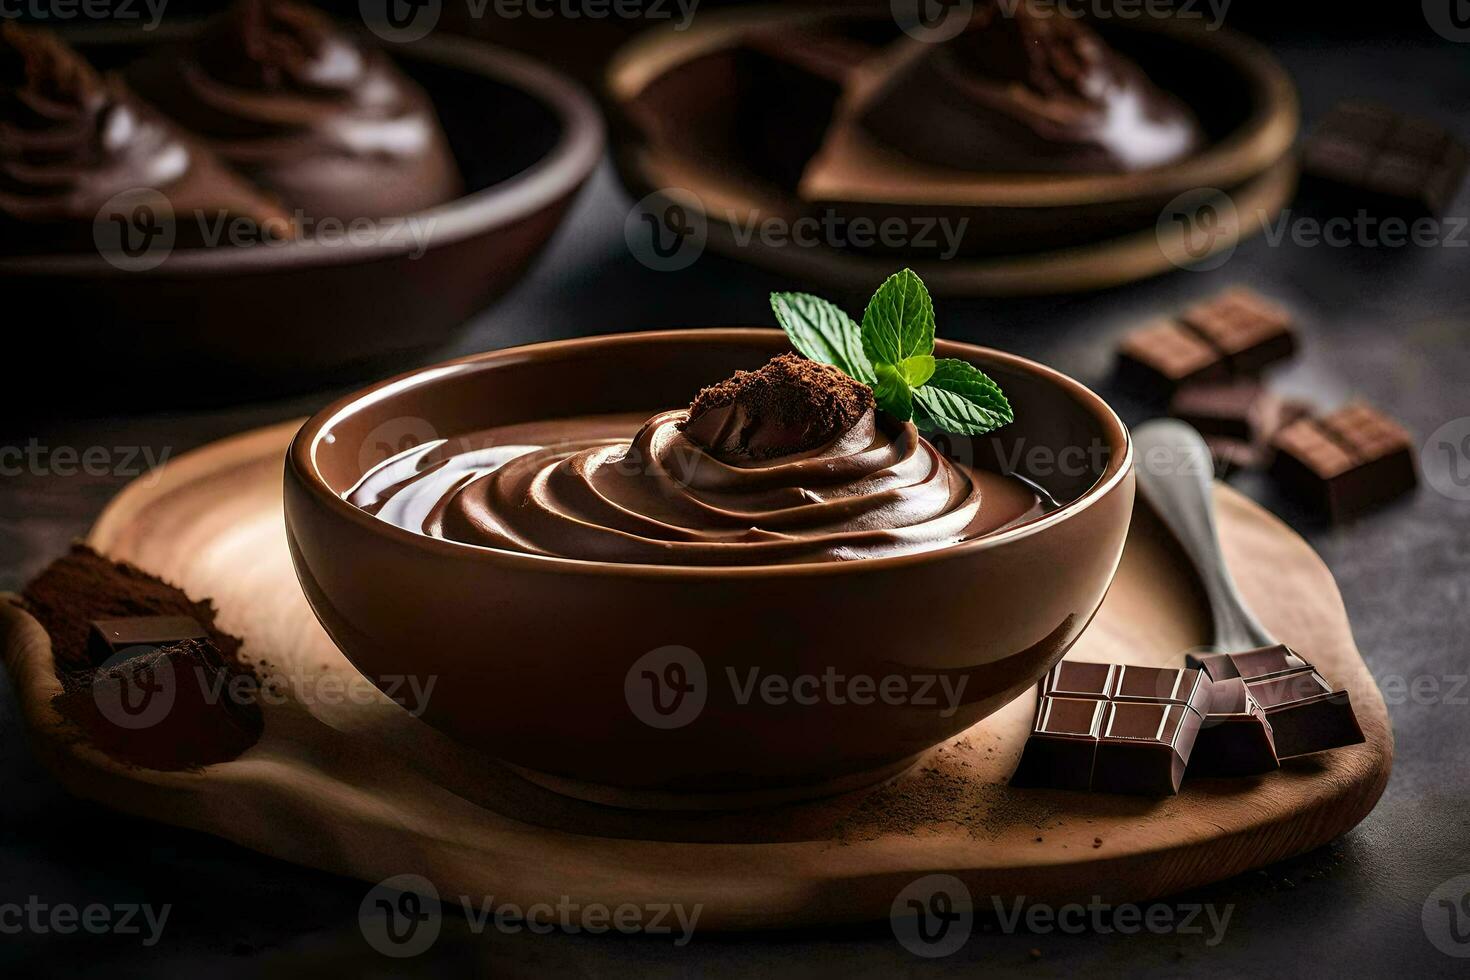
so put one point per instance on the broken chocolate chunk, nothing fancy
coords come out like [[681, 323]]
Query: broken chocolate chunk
[[1235, 739], [1237, 333], [1346, 463], [135, 635], [1303, 713], [1246, 329], [1385, 162]]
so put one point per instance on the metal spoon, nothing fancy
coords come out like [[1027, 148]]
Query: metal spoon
[[1176, 475]]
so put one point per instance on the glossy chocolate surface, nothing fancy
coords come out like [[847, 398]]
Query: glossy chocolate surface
[[612, 489]]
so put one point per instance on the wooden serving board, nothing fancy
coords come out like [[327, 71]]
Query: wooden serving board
[[353, 784]]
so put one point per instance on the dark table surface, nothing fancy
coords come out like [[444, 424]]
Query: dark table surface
[[1388, 324]]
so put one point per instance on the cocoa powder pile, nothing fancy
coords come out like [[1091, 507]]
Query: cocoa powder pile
[[206, 712], [788, 406]]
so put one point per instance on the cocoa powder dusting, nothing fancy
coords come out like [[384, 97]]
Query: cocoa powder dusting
[[790, 405], [207, 710]]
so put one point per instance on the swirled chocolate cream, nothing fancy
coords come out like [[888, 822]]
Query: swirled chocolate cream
[[1028, 89], [790, 463], [72, 139], [298, 106]]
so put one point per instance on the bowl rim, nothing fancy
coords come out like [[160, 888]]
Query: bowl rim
[[301, 462], [576, 153]]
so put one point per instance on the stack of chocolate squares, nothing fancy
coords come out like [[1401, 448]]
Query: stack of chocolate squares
[[1127, 729], [1208, 362]]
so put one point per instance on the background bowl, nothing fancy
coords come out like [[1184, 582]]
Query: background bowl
[[525, 138], [693, 122], [539, 661]]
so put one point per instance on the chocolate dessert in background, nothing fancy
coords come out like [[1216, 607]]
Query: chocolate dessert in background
[[331, 126], [1022, 91], [71, 139]]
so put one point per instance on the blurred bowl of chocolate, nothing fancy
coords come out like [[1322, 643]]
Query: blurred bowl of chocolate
[[1032, 152], [269, 197], [571, 553]]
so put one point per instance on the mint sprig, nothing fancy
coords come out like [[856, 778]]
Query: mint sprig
[[893, 353]]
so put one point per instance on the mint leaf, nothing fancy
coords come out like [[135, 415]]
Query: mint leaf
[[917, 369], [960, 398], [899, 320], [892, 392], [823, 333]]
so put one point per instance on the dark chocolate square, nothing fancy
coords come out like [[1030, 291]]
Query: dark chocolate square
[[1165, 354], [1235, 739], [1346, 463], [1306, 714], [1247, 329], [139, 635], [1144, 747], [1385, 162], [1114, 728]]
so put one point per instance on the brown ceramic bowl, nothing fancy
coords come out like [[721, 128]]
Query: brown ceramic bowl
[[526, 139], [530, 654]]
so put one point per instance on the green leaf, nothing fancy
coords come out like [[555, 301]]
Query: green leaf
[[917, 369], [892, 392], [899, 321], [823, 333], [960, 398]]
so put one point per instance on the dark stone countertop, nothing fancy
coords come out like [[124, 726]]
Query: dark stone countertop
[[1390, 325]]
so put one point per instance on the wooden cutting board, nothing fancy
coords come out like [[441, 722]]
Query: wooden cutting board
[[349, 782]]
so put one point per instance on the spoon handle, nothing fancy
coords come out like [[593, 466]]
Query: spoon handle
[[1176, 475]]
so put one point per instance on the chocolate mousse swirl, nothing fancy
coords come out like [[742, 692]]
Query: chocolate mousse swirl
[[663, 499], [791, 463], [330, 125], [69, 139], [72, 139]]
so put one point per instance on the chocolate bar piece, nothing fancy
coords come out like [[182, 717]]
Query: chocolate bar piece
[[1385, 161], [1345, 463], [1166, 354], [1235, 333], [1114, 728], [1235, 739], [1247, 329], [1237, 418], [1301, 712], [137, 635], [1241, 409]]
